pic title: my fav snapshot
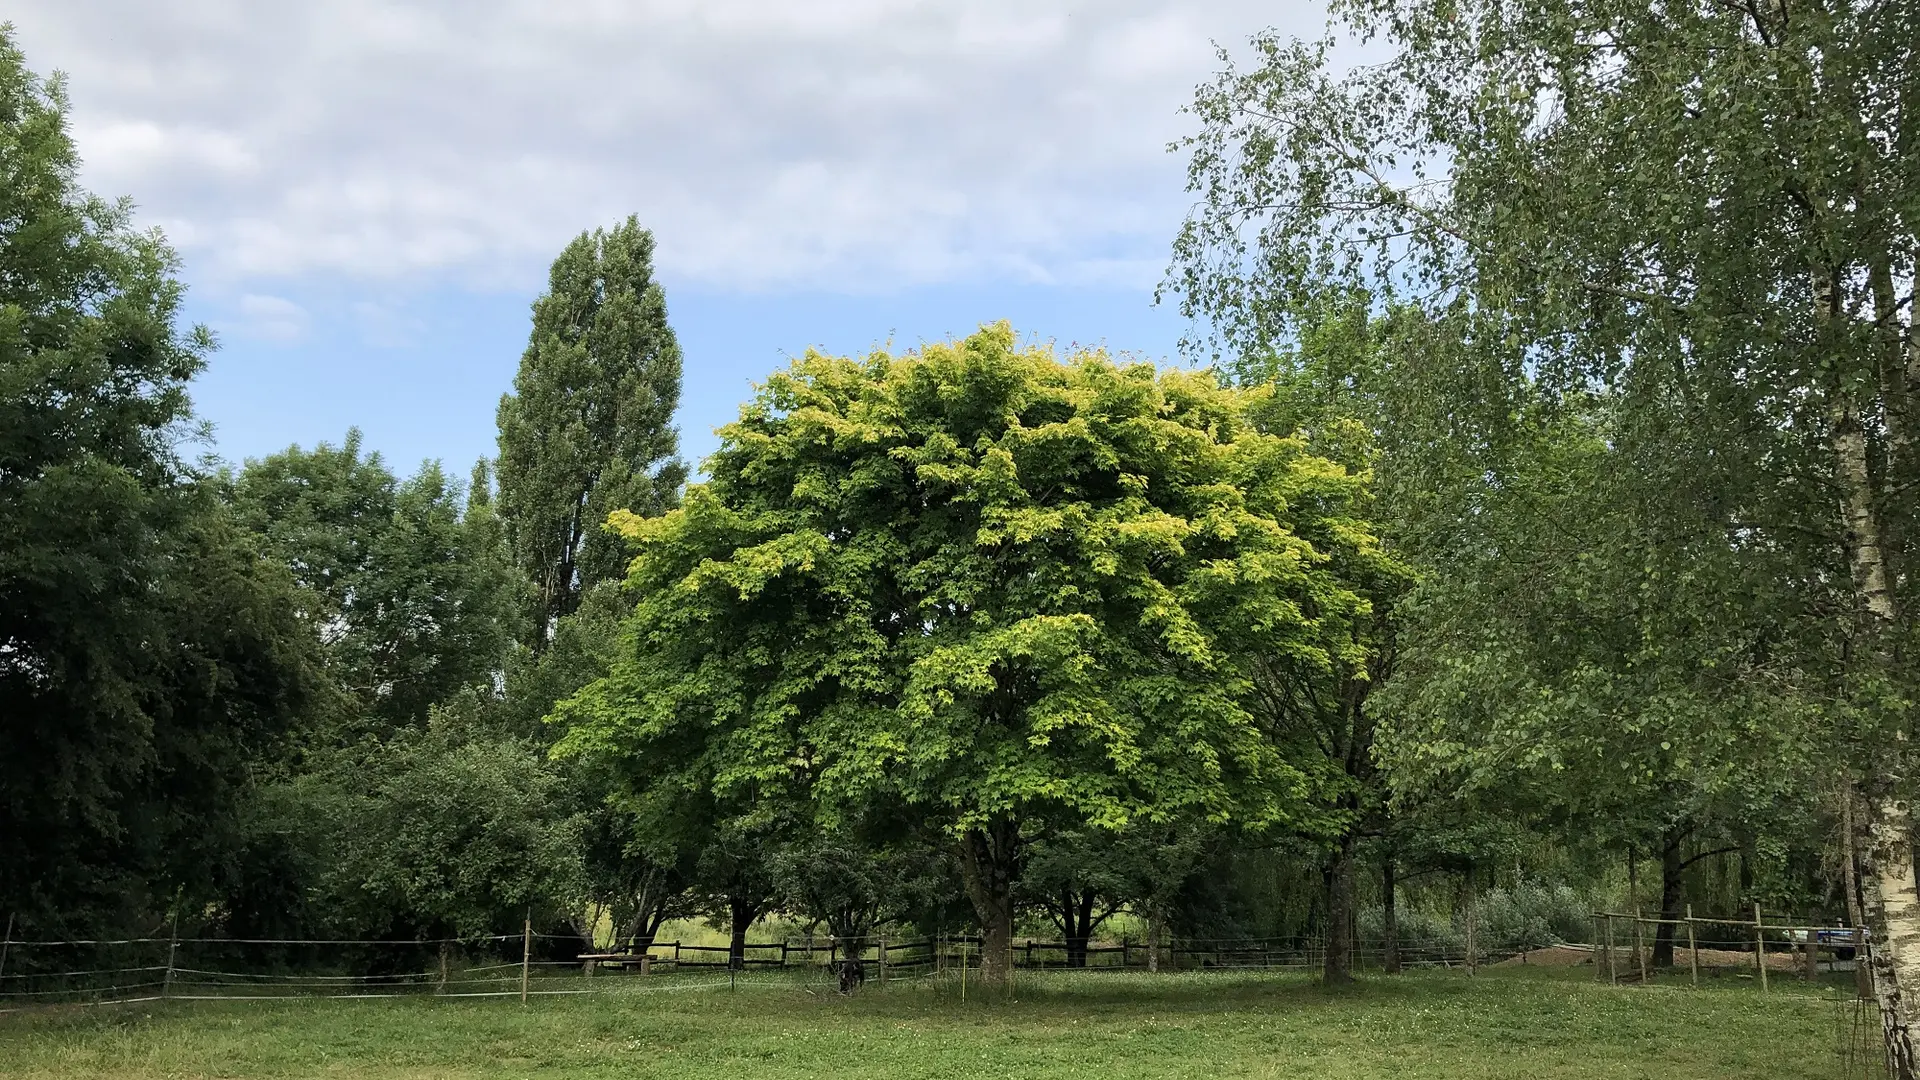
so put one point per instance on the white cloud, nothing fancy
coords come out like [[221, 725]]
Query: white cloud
[[269, 318], [849, 145]]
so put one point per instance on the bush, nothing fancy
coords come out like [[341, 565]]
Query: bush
[[1527, 916]]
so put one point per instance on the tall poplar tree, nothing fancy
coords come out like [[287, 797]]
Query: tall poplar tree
[[588, 428]]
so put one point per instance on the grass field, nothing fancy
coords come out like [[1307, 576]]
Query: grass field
[[1504, 1023]]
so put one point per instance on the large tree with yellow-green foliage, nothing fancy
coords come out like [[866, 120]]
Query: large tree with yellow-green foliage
[[1013, 591]]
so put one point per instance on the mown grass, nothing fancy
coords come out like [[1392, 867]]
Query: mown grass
[[1503, 1023]]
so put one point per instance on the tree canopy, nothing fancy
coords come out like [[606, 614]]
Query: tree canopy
[[1007, 589], [588, 428], [147, 656]]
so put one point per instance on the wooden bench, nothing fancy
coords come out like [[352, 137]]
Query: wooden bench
[[594, 960]]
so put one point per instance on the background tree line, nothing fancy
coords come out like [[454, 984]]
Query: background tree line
[[1542, 517]]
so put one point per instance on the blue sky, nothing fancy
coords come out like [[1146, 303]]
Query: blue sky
[[365, 194], [429, 389]]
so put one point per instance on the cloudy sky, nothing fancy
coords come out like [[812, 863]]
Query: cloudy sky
[[366, 194]]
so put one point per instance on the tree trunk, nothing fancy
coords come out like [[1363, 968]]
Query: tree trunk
[[1893, 918], [1473, 944], [1076, 922], [989, 862], [1672, 874], [1154, 923], [743, 910], [1893, 908], [1850, 865], [1339, 963], [1390, 915]]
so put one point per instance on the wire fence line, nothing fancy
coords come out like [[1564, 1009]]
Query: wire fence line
[[35, 973], [39, 973]]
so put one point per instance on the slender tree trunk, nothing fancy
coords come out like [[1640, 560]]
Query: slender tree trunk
[[1473, 942], [1850, 865], [1672, 875], [989, 862], [1390, 915], [1154, 923], [1339, 963]]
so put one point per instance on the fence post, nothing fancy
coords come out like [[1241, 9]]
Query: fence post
[[173, 949], [1640, 945], [5, 946], [442, 988], [1126, 952], [1599, 969], [1693, 949], [1759, 946], [883, 960], [526, 955], [963, 971], [1613, 970]]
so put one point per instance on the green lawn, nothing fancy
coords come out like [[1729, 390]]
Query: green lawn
[[1504, 1023]]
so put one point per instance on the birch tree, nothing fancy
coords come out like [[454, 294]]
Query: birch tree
[[1709, 207]]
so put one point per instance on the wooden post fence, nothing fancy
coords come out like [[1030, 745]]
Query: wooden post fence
[[1804, 952]]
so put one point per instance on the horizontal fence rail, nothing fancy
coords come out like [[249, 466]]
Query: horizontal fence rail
[[40, 973], [1626, 947]]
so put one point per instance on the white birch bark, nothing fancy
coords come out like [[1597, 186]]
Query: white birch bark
[[1893, 920]]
